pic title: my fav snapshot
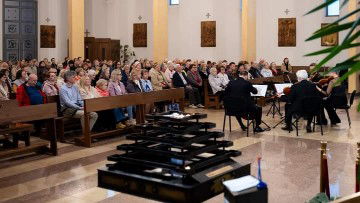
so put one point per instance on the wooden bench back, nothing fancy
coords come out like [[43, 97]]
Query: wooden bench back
[[10, 113], [106, 103], [5, 104]]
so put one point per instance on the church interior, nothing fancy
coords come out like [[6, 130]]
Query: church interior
[[210, 101]]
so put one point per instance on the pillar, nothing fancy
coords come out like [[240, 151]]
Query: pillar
[[354, 78], [76, 18], [160, 30], [248, 30]]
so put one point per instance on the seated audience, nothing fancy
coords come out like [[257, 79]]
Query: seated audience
[[194, 76], [102, 88], [125, 74], [72, 105], [117, 88], [223, 76], [274, 69], [21, 78], [216, 84], [158, 80], [181, 80], [238, 102], [134, 84], [86, 90], [286, 67], [30, 93], [204, 71], [254, 71], [4, 89], [60, 78], [146, 83], [170, 71], [265, 71], [50, 87]]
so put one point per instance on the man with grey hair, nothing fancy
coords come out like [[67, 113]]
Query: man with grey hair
[[299, 91], [72, 105]]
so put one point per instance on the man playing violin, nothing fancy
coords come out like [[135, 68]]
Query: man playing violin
[[300, 90]]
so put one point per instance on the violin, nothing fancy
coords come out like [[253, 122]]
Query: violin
[[325, 81], [287, 91]]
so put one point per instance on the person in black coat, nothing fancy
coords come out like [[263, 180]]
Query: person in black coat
[[134, 84], [180, 80], [299, 91], [238, 101]]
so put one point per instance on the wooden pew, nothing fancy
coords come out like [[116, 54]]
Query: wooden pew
[[297, 68], [210, 99], [139, 100], [11, 114]]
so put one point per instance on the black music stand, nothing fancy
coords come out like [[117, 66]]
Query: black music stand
[[261, 94]]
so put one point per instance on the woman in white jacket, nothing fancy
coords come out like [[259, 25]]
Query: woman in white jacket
[[216, 83]]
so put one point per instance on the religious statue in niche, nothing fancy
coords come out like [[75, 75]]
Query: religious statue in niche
[[140, 35], [47, 36], [208, 34], [329, 40], [287, 32]]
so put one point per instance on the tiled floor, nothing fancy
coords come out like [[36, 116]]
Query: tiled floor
[[290, 165]]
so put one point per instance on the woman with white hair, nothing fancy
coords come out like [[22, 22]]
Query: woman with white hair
[[299, 91], [216, 84]]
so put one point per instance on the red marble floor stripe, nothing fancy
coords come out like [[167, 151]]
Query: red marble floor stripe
[[53, 169], [59, 191]]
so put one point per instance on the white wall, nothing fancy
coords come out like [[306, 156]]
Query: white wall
[[114, 19], [185, 30], [56, 11], [268, 12]]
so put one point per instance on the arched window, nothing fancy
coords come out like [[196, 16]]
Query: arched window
[[333, 9]]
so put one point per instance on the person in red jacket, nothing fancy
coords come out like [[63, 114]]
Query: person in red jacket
[[30, 93]]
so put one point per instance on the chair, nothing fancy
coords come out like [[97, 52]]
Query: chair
[[339, 104], [310, 107], [210, 100], [247, 117]]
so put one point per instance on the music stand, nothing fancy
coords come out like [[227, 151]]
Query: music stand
[[275, 104], [280, 88], [262, 89]]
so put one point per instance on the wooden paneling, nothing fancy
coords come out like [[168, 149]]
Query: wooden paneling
[[102, 48]]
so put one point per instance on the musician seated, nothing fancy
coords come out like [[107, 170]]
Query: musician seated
[[238, 102], [334, 94], [299, 91]]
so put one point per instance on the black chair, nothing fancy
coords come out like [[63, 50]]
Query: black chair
[[310, 108], [247, 116], [339, 103]]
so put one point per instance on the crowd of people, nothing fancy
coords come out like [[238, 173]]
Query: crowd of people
[[77, 79]]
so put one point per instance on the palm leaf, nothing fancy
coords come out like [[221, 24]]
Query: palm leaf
[[328, 30], [328, 50], [353, 70], [337, 50], [328, 2]]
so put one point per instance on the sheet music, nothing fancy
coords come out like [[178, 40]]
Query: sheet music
[[261, 90], [240, 184], [280, 87]]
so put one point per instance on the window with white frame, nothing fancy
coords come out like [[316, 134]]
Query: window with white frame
[[333, 9], [174, 2]]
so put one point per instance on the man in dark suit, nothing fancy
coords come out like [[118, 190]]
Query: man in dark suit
[[238, 102], [299, 91], [134, 84], [180, 80]]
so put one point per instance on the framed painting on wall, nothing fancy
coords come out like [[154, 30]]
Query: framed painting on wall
[[329, 40], [287, 32], [208, 34], [140, 35], [47, 36]]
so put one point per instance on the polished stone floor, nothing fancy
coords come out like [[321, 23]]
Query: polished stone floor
[[290, 165]]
